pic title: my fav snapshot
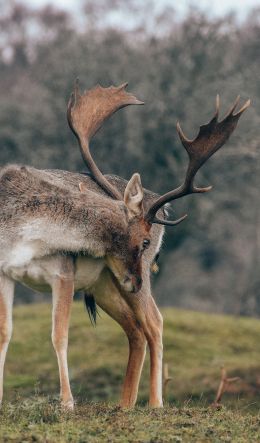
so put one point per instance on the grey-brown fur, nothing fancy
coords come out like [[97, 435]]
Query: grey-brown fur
[[28, 192], [52, 197], [48, 261]]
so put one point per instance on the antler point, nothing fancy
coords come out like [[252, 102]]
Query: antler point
[[159, 221], [202, 190], [233, 107], [181, 133], [123, 86], [217, 104], [244, 107]]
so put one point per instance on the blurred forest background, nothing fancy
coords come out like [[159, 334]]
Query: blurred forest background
[[177, 66]]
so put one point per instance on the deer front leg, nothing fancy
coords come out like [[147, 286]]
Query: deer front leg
[[6, 304], [63, 291], [137, 350], [148, 316], [108, 297], [147, 325]]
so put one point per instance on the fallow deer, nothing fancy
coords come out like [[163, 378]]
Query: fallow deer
[[64, 232]]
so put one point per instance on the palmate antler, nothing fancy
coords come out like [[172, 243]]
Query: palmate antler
[[86, 114], [210, 138]]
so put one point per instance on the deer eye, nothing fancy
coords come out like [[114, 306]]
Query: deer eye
[[146, 243]]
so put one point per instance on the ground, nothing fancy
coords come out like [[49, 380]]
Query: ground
[[195, 344]]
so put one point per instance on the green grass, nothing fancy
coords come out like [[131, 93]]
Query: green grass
[[195, 346], [41, 420]]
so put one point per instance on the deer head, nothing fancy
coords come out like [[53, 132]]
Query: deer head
[[86, 113]]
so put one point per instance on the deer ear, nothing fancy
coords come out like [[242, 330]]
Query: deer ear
[[133, 196]]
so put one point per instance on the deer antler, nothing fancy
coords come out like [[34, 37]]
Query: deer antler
[[86, 114], [210, 138]]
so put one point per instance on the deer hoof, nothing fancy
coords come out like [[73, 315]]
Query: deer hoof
[[155, 404], [67, 405]]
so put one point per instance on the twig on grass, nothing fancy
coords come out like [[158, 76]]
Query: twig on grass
[[224, 382], [166, 379]]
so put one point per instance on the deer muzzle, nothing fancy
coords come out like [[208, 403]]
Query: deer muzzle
[[129, 277], [132, 283]]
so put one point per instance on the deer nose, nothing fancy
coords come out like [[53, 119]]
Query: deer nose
[[128, 284], [132, 283]]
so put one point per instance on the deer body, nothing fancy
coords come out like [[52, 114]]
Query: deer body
[[32, 207], [64, 232], [42, 230], [38, 253]]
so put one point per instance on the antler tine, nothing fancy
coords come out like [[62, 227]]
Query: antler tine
[[233, 107], [87, 112], [210, 138], [243, 108], [217, 105], [159, 221]]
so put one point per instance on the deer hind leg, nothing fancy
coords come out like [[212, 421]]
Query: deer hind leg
[[110, 300], [6, 304], [63, 291], [153, 328]]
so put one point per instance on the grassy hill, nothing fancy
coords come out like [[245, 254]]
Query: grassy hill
[[195, 347]]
